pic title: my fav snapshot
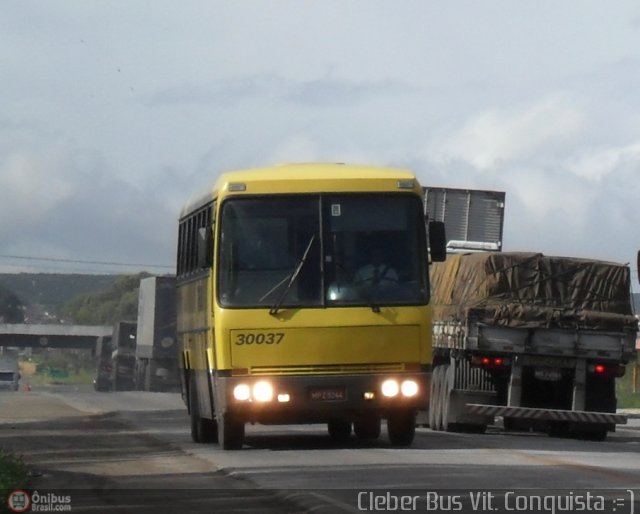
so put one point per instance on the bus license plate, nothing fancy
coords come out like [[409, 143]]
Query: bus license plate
[[328, 394]]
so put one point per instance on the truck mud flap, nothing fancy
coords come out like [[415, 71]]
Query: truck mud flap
[[547, 414]]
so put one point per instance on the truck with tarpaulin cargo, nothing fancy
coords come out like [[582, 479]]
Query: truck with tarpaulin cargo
[[473, 221], [534, 339], [156, 348]]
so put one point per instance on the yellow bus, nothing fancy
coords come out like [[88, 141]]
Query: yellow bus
[[303, 297]]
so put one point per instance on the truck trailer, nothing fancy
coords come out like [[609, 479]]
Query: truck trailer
[[104, 365], [536, 340], [123, 357], [473, 218], [156, 349], [9, 372]]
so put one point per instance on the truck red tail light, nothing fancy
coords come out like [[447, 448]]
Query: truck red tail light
[[607, 370], [489, 362]]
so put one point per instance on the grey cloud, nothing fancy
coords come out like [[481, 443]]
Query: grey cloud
[[100, 219], [331, 91], [319, 92], [221, 92]]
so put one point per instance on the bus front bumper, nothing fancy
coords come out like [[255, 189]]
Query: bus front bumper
[[313, 398]]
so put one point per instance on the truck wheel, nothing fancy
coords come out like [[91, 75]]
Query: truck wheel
[[401, 426], [202, 430], [447, 386], [230, 432], [148, 386], [443, 398], [560, 429], [595, 432], [472, 428], [435, 404], [367, 426], [433, 395], [339, 429]]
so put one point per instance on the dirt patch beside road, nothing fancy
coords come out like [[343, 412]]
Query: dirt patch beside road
[[24, 406], [111, 462]]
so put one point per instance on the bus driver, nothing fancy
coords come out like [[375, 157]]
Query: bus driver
[[376, 273]]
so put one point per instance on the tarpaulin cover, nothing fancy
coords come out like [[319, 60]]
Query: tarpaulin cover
[[529, 290]]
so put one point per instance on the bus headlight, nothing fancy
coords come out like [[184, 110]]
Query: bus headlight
[[262, 392], [409, 388], [242, 392], [390, 388]]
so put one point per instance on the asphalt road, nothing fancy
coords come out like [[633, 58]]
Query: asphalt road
[[131, 452]]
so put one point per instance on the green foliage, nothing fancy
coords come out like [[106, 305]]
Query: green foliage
[[52, 290], [627, 399], [13, 473], [117, 302]]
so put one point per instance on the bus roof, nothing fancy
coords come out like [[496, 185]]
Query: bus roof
[[307, 178]]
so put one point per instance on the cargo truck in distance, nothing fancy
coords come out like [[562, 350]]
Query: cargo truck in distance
[[9, 372], [123, 356], [156, 348], [283, 317], [104, 365], [534, 339]]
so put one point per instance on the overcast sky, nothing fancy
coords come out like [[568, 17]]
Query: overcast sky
[[112, 113]]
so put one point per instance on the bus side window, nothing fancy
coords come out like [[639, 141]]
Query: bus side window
[[205, 247]]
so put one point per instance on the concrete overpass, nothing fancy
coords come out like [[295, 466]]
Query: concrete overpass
[[52, 336]]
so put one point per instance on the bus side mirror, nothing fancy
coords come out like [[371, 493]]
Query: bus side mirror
[[437, 241], [638, 265], [205, 247]]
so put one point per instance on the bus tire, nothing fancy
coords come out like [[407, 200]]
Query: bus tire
[[202, 430], [230, 432], [367, 426], [401, 426], [339, 429]]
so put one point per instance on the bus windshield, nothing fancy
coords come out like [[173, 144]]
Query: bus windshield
[[322, 251]]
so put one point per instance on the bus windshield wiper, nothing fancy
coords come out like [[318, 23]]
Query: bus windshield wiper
[[292, 278]]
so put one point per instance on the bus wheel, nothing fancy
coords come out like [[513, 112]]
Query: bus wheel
[[339, 429], [202, 430], [230, 432], [401, 426], [367, 426]]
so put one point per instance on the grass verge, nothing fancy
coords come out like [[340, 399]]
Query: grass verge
[[13, 472], [83, 377], [627, 399]]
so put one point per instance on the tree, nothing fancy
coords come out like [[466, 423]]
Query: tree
[[11, 308], [116, 303]]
